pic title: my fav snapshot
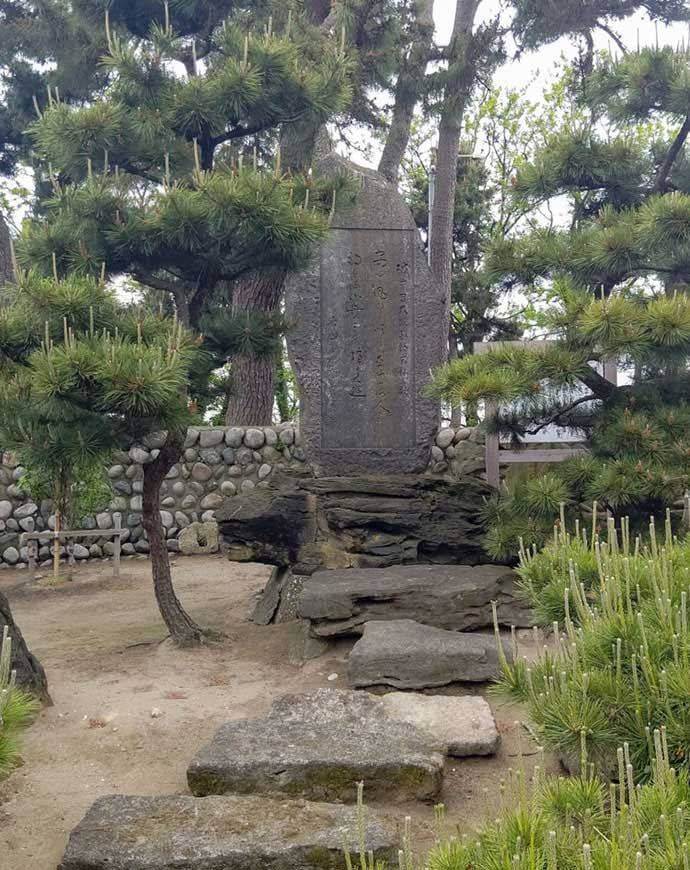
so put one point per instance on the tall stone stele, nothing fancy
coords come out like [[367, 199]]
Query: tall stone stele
[[366, 331]]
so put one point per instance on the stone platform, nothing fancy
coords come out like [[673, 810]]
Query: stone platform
[[407, 655], [309, 524], [319, 746], [233, 833], [451, 597]]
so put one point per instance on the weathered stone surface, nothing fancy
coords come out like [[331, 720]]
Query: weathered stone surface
[[454, 597], [11, 555], [465, 725], [30, 673], [26, 510], [445, 438], [303, 646], [139, 455], [368, 331], [212, 501], [309, 524], [231, 832], [211, 437], [5, 510], [199, 538], [79, 551], [254, 438], [320, 745], [405, 654], [201, 472]]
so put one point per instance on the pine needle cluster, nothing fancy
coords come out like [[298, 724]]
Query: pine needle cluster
[[172, 174], [16, 708], [580, 824], [81, 376], [619, 668]]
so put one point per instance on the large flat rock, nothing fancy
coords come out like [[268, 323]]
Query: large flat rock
[[453, 597], [408, 655], [464, 725], [319, 746], [218, 833]]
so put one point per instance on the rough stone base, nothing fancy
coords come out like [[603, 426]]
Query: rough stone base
[[407, 655], [310, 524], [320, 745], [232, 833], [199, 539], [465, 725], [453, 597]]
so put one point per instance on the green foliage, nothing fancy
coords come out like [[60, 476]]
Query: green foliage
[[621, 669], [579, 824], [83, 375], [16, 709], [173, 178]]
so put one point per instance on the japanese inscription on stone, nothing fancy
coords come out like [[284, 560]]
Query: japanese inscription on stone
[[367, 328], [367, 342]]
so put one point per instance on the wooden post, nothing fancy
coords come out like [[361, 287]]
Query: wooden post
[[31, 549], [493, 465], [117, 544], [56, 546]]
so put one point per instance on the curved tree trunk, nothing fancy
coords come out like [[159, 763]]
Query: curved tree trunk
[[183, 630], [6, 267], [461, 74], [252, 377], [30, 674], [408, 89]]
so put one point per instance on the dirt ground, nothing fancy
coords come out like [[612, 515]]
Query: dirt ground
[[130, 710]]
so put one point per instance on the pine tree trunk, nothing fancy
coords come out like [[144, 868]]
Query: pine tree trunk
[[408, 89], [6, 268], [183, 630], [457, 92], [252, 377], [251, 391], [30, 674]]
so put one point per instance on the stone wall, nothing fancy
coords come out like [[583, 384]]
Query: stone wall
[[217, 463]]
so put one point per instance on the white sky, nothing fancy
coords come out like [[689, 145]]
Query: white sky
[[542, 62]]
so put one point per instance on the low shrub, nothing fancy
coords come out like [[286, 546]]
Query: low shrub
[[619, 666], [16, 709], [579, 823]]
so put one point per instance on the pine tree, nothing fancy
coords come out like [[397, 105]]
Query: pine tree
[[153, 179], [617, 284]]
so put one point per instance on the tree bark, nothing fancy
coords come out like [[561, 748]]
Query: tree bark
[[6, 267], [408, 89], [457, 92], [30, 674], [252, 376], [183, 630]]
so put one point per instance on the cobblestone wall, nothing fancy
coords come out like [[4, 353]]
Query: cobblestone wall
[[217, 463]]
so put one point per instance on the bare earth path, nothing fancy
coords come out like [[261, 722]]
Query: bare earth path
[[130, 710]]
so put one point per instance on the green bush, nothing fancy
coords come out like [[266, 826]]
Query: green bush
[[581, 824], [619, 667], [16, 709]]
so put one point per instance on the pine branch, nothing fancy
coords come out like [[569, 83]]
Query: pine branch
[[661, 182]]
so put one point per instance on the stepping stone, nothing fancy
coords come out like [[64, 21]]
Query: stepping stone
[[407, 655], [232, 833], [320, 745], [464, 725], [454, 597]]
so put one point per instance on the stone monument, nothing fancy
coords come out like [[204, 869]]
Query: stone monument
[[367, 329]]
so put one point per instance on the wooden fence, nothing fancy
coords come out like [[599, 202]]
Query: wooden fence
[[497, 455]]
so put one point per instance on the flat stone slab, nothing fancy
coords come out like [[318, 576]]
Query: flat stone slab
[[218, 833], [319, 746], [454, 597], [464, 725], [408, 655]]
